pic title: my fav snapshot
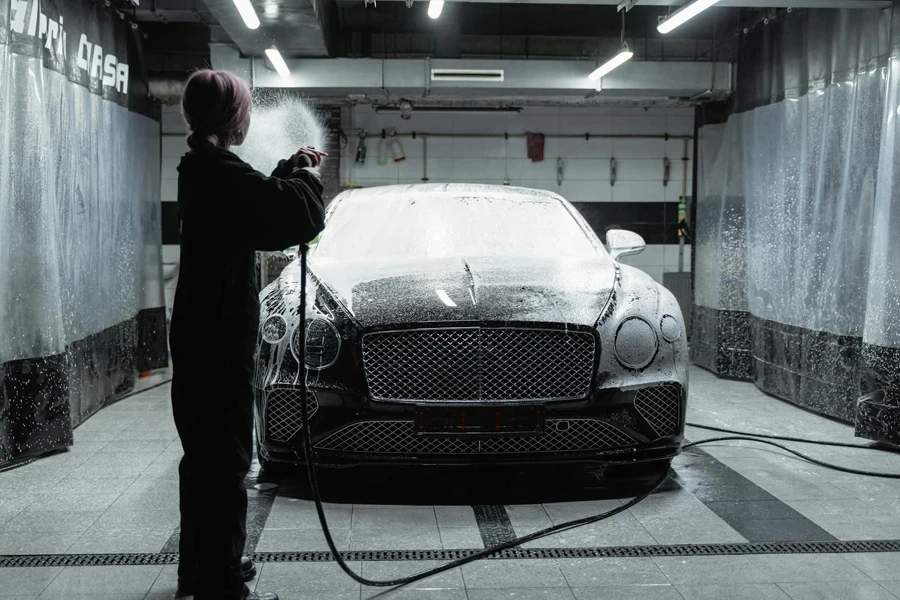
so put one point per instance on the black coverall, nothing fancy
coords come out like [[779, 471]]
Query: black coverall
[[227, 211]]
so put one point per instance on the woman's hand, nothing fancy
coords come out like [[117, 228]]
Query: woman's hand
[[307, 157]]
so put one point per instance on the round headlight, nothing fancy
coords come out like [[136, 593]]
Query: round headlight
[[274, 328], [323, 344], [669, 328], [636, 343]]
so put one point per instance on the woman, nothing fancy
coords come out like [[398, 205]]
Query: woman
[[227, 211]]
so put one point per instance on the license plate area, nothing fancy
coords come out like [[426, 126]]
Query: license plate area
[[479, 421]]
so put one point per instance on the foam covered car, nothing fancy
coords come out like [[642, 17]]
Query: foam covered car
[[470, 324]]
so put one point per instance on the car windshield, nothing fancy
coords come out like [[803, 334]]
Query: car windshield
[[442, 225]]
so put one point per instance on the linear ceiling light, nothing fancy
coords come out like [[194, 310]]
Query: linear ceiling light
[[684, 14], [247, 13], [609, 66], [434, 8], [278, 61]]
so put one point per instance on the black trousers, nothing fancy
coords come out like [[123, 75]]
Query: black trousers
[[214, 415]]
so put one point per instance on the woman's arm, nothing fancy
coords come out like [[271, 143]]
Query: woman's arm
[[278, 212]]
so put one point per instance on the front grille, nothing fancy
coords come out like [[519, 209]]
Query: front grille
[[283, 417], [661, 408], [399, 437], [474, 363]]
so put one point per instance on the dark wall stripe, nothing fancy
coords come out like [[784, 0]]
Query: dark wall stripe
[[747, 508], [494, 524], [171, 231], [656, 222]]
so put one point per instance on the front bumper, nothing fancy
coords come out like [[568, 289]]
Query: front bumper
[[616, 426]]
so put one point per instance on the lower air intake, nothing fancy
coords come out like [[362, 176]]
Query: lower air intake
[[399, 437], [661, 407], [283, 417]]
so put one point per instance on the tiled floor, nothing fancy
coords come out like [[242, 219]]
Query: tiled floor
[[116, 491]]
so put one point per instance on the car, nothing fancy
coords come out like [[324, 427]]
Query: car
[[469, 324]]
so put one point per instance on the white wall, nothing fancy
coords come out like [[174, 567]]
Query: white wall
[[586, 163]]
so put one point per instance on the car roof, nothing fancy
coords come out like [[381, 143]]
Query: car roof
[[452, 190]]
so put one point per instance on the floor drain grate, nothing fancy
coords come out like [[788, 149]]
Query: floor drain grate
[[830, 547]]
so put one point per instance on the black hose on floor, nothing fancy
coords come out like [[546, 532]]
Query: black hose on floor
[[796, 439], [308, 456]]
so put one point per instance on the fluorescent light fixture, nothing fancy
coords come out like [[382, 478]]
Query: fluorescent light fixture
[[247, 13], [445, 298], [615, 62], [684, 14], [278, 62], [434, 8]]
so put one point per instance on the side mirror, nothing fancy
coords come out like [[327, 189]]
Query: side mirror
[[621, 242]]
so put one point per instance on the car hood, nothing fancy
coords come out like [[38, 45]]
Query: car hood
[[380, 293]]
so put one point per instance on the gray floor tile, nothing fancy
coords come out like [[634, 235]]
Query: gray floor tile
[[95, 541], [302, 517], [128, 444], [26, 542], [892, 586], [796, 568], [526, 518], [701, 570], [393, 518], [96, 435], [513, 574], [296, 540], [408, 594], [593, 572], [604, 534], [89, 485], [157, 435], [24, 482], [14, 502], [523, 594], [396, 539], [116, 519], [26, 581], [630, 592], [67, 502], [41, 521], [783, 530], [455, 538], [116, 465], [560, 512], [310, 595], [68, 596], [394, 570], [146, 501], [290, 577], [862, 528], [856, 590], [670, 505], [877, 565], [455, 516], [698, 530], [108, 580], [733, 591]]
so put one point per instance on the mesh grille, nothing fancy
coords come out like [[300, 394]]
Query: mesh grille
[[283, 417], [471, 364], [661, 408], [399, 437]]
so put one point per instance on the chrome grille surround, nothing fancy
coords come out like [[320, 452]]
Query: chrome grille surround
[[399, 437], [660, 406], [283, 416], [471, 364]]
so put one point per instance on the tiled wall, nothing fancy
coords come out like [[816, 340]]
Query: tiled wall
[[586, 162]]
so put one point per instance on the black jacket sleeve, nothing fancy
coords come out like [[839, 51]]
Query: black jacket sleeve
[[284, 211]]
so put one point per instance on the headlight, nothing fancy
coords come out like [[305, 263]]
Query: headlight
[[636, 343], [323, 344], [274, 328], [669, 328]]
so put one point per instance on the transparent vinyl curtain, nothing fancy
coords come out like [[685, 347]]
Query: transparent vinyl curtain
[[79, 249], [797, 230]]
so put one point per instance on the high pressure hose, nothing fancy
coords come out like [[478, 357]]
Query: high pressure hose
[[308, 456]]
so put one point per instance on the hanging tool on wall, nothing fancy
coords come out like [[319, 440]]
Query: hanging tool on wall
[[361, 149], [395, 146], [667, 171], [612, 171]]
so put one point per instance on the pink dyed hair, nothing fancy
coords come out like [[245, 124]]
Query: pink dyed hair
[[214, 105]]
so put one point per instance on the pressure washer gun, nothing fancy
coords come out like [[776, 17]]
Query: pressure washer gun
[[361, 149]]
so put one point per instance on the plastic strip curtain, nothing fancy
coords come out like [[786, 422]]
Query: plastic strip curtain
[[79, 247], [797, 220]]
